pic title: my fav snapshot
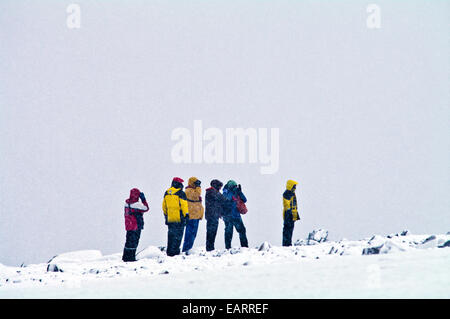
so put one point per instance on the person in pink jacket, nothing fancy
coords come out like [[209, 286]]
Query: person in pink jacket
[[134, 222]]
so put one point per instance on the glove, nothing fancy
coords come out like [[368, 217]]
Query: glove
[[239, 187], [185, 219], [142, 197], [197, 183]]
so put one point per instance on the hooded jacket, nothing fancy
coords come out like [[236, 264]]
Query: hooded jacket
[[174, 205], [216, 204], [290, 209], [194, 199], [232, 193], [134, 210]]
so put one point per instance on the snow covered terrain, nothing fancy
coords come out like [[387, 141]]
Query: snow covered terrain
[[395, 266]]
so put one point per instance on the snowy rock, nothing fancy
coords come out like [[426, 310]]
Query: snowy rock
[[235, 250], [376, 241], [196, 251], [53, 268], [403, 233], [77, 256], [317, 236], [387, 247], [371, 250], [432, 237], [333, 251], [446, 244], [429, 242], [390, 247], [150, 252], [265, 246], [300, 242]]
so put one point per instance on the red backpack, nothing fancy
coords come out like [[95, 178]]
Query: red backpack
[[240, 205]]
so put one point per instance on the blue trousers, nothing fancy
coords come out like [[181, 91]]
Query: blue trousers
[[237, 223], [190, 234], [288, 230]]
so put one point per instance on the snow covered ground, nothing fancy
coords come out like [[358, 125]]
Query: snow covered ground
[[396, 266]]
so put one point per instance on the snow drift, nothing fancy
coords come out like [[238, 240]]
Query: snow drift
[[91, 268]]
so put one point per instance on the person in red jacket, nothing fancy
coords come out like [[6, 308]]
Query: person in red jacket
[[134, 222]]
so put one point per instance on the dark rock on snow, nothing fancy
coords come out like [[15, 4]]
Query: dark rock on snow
[[264, 246], [317, 236], [371, 250], [53, 268], [446, 244], [432, 237]]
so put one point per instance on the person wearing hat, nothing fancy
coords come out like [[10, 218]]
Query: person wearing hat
[[215, 204], [134, 222], [232, 217], [175, 209], [196, 210], [290, 212]]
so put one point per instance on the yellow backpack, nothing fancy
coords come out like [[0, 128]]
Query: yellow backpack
[[175, 206]]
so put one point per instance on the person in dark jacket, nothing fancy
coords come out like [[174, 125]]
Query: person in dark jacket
[[175, 209], [215, 204], [290, 212], [232, 216], [134, 222]]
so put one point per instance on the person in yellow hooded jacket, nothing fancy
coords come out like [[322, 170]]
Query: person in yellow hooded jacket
[[176, 213], [196, 210], [290, 212]]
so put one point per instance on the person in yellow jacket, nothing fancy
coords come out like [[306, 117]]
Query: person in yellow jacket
[[290, 212], [196, 210], [176, 213]]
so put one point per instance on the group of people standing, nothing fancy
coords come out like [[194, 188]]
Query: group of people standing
[[183, 209]]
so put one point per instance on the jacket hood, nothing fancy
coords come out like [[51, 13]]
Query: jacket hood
[[173, 190], [134, 196], [290, 184], [191, 181], [215, 183], [177, 182], [178, 179], [230, 184]]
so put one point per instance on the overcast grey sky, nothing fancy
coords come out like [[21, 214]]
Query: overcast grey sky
[[86, 114]]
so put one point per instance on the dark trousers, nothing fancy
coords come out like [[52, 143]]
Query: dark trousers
[[235, 222], [190, 234], [211, 232], [288, 230], [132, 241], [174, 238]]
